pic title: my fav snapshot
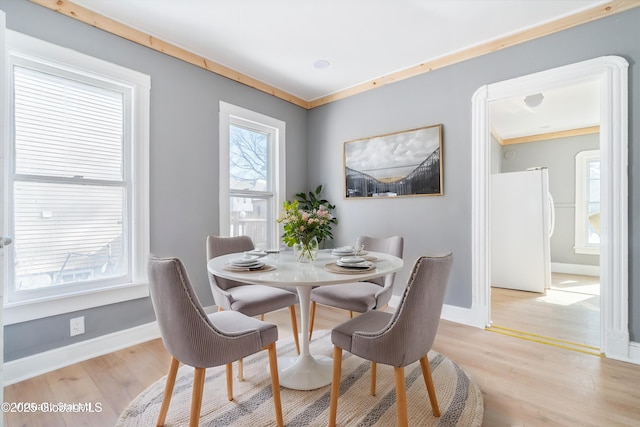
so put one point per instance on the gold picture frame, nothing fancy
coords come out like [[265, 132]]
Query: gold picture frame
[[406, 163]]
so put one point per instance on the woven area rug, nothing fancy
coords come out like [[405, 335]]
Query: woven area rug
[[459, 398]]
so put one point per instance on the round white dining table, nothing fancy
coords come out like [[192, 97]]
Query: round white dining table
[[304, 372]]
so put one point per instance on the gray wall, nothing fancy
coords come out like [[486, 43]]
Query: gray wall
[[559, 157], [434, 224], [183, 163]]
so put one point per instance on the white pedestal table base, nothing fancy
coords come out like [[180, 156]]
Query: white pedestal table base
[[305, 372]]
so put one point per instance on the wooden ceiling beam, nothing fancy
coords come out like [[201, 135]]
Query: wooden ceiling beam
[[550, 135]]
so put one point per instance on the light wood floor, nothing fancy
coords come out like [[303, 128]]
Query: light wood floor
[[523, 383], [570, 310]]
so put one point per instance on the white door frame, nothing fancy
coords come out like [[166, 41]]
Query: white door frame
[[4, 140], [611, 71]]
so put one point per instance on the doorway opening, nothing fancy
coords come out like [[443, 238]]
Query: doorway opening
[[611, 71], [545, 186]]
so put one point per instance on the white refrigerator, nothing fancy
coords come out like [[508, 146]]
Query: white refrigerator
[[522, 217]]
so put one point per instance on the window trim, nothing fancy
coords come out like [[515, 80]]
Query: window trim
[[227, 113], [23, 46], [581, 224]]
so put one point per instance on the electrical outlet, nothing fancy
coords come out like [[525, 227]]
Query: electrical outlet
[[76, 325]]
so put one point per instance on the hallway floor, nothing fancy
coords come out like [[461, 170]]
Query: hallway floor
[[570, 310]]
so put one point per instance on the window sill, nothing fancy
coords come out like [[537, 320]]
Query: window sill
[[587, 251], [38, 309]]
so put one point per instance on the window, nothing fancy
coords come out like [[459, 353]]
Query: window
[[587, 237], [251, 174], [76, 180]]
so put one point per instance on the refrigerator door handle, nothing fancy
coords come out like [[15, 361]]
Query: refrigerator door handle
[[552, 214]]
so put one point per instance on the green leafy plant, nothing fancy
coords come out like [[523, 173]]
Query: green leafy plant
[[308, 217], [313, 201]]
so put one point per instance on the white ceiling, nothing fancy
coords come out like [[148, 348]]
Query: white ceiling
[[564, 108], [278, 41]]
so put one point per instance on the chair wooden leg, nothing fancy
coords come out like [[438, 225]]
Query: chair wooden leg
[[373, 378], [294, 326], [240, 370], [275, 382], [196, 397], [401, 396], [168, 391], [262, 317], [428, 381], [229, 381], [312, 318], [335, 385], [350, 314]]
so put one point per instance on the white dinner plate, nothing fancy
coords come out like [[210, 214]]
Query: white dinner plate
[[352, 259], [343, 251], [250, 266], [365, 264], [246, 262]]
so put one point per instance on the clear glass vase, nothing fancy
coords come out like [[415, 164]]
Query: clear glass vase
[[306, 251]]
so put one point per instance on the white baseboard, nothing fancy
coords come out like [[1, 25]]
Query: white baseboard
[[41, 363], [634, 352], [466, 316], [631, 355], [584, 270]]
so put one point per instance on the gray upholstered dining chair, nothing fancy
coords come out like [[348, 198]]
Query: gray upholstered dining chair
[[397, 339], [251, 300], [360, 296], [196, 339]]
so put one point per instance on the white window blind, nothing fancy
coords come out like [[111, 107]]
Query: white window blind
[[70, 196], [67, 128]]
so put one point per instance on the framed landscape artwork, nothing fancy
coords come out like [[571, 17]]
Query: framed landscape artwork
[[407, 163]]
